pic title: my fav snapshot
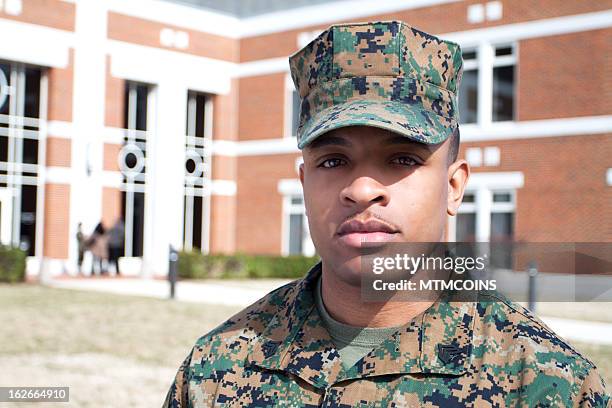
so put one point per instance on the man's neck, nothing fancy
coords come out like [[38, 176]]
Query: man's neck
[[343, 302]]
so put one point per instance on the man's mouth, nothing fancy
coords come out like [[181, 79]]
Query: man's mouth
[[368, 233]]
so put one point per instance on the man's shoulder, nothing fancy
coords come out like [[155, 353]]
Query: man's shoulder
[[231, 339], [511, 341], [508, 321]]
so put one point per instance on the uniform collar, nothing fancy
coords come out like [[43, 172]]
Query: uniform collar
[[439, 341]]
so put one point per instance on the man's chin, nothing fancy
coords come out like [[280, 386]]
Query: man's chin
[[348, 270]]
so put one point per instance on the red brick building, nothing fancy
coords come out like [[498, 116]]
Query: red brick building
[[180, 118]]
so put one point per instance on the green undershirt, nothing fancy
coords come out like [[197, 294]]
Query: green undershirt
[[352, 342]]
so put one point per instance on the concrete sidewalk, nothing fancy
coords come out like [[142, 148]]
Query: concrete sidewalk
[[244, 292], [229, 293]]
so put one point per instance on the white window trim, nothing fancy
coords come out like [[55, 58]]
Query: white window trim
[[483, 186], [223, 187], [484, 63], [290, 188], [288, 107]]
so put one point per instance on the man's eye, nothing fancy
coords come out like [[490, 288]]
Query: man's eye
[[405, 161], [331, 163]]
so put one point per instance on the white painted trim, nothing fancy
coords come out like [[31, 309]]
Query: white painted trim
[[113, 135], [232, 27], [183, 16], [50, 44], [6, 212], [262, 67], [484, 199], [218, 23], [42, 160], [288, 106], [223, 187], [508, 33], [495, 180], [486, 55], [155, 65], [473, 155], [224, 148], [587, 125], [327, 13], [59, 129], [531, 29], [290, 187], [58, 175], [609, 177], [266, 146], [110, 178]]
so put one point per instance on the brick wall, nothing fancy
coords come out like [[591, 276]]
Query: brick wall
[[565, 196], [60, 91], [58, 152], [50, 13], [223, 225], [143, 32], [57, 220], [259, 211], [114, 96], [565, 76], [111, 205], [435, 19], [262, 107]]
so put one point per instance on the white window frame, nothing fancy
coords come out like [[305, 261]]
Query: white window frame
[[288, 114], [483, 186], [15, 132], [291, 188], [202, 186], [484, 63], [128, 183]]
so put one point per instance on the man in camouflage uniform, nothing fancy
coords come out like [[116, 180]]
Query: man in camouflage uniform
[[378, 127]]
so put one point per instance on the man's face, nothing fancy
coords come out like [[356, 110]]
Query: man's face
[[364, 187]]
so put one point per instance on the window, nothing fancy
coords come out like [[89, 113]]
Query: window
[[487, 89], [132, 163], [197, 171], [488, 216], [20, 112], [292, 108], [468, 89], [503, 83], [296, 236]]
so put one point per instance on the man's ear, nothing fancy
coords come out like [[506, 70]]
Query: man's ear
[[301, 173], [458, 175]]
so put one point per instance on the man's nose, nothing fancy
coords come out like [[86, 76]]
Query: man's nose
[[364, 191]]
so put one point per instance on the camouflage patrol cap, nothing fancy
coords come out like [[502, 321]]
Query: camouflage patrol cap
[[383, 74]]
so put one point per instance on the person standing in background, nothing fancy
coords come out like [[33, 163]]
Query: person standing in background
[[115, 244], [98, 246], [80, 247]]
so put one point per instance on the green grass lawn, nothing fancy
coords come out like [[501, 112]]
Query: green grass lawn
[[96, 343]]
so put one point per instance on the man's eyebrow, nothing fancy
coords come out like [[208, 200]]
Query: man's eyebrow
[[330, 141], [406, 141]]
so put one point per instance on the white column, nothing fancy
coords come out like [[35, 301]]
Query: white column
[[88, 118], [484, 200], [165, 176], [486, 55]]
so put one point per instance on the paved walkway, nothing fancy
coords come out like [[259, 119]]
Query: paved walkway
[[244, 292], [230, 293]]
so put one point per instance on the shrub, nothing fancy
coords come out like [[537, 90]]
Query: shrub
[[12, 264], [195, 265]]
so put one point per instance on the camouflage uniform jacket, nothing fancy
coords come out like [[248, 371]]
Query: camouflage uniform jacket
[[479, 353]]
